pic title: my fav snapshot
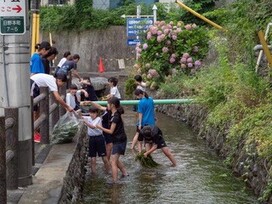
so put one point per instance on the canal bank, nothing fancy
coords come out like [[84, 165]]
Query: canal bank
[[244, 164], [58, 174]]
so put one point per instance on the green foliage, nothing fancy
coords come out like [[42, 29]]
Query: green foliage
[[130, 86], [201, 7], [82, 16]]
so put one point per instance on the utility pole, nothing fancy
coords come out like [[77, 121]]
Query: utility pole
[[14, 78]]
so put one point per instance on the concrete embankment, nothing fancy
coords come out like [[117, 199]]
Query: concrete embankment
[[60, 178]]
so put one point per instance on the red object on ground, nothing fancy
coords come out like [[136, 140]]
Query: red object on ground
[[101, 67], [37, 137]]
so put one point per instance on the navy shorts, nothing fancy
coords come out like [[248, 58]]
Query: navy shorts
[[108, 138], [119, 148], [161, 144], [97, 146], [35, 91]]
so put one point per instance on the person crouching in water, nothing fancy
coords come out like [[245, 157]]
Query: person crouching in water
[[119, 137], [97, 144], [152, 137]]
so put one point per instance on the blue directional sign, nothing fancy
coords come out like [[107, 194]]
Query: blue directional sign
[[132, 42], [135, 26]]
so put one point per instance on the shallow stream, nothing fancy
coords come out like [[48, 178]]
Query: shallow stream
[[199, 178]]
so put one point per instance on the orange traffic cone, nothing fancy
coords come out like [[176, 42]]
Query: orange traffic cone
[[101, 67]]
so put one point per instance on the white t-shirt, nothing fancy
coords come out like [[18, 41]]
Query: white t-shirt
[[115, 92], [96, 121], [61, 62], [70, 100], [45, 80]]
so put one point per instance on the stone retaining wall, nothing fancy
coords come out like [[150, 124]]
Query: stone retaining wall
[[245, 163], [73, 182]]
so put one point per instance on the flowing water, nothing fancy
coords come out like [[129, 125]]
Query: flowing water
[[199, 178]]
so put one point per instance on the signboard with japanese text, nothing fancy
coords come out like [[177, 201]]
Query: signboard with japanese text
[[136, 26], [132, 42], [12, 17]]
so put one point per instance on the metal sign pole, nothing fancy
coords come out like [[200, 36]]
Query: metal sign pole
[[14, 79]]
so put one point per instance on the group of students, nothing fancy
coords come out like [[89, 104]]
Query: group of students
[[107, 136], [40, 74]]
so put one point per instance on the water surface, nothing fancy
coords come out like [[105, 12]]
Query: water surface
[[199, 178]]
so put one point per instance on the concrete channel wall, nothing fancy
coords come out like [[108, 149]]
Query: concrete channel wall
[[60, 178], [73, 181]]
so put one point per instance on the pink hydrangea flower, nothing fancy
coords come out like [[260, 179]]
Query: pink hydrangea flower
[[145, 46], [186, 55], [172, 60], [190, 65], [188, 27], [183, 60], [174, 37], [179, 30], [189, 60], [166, 31], [197, 63], [165, 49], [153, 72], [159, 32], [153, 30]]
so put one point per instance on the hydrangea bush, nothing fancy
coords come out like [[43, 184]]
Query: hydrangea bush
[[169, 48]]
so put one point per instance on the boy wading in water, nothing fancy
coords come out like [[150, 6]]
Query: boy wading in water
[[97, 144]]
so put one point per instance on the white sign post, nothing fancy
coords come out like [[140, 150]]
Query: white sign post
[[12, 17]]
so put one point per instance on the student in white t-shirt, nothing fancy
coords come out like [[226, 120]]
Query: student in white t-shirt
[[46, 80], [64, 59], [97, 144], [113, 88], [71, 97]]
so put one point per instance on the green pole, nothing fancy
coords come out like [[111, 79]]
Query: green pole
[[156, 101]]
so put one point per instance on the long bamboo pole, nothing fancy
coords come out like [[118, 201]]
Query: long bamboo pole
[[199, 15], [265, 48]]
